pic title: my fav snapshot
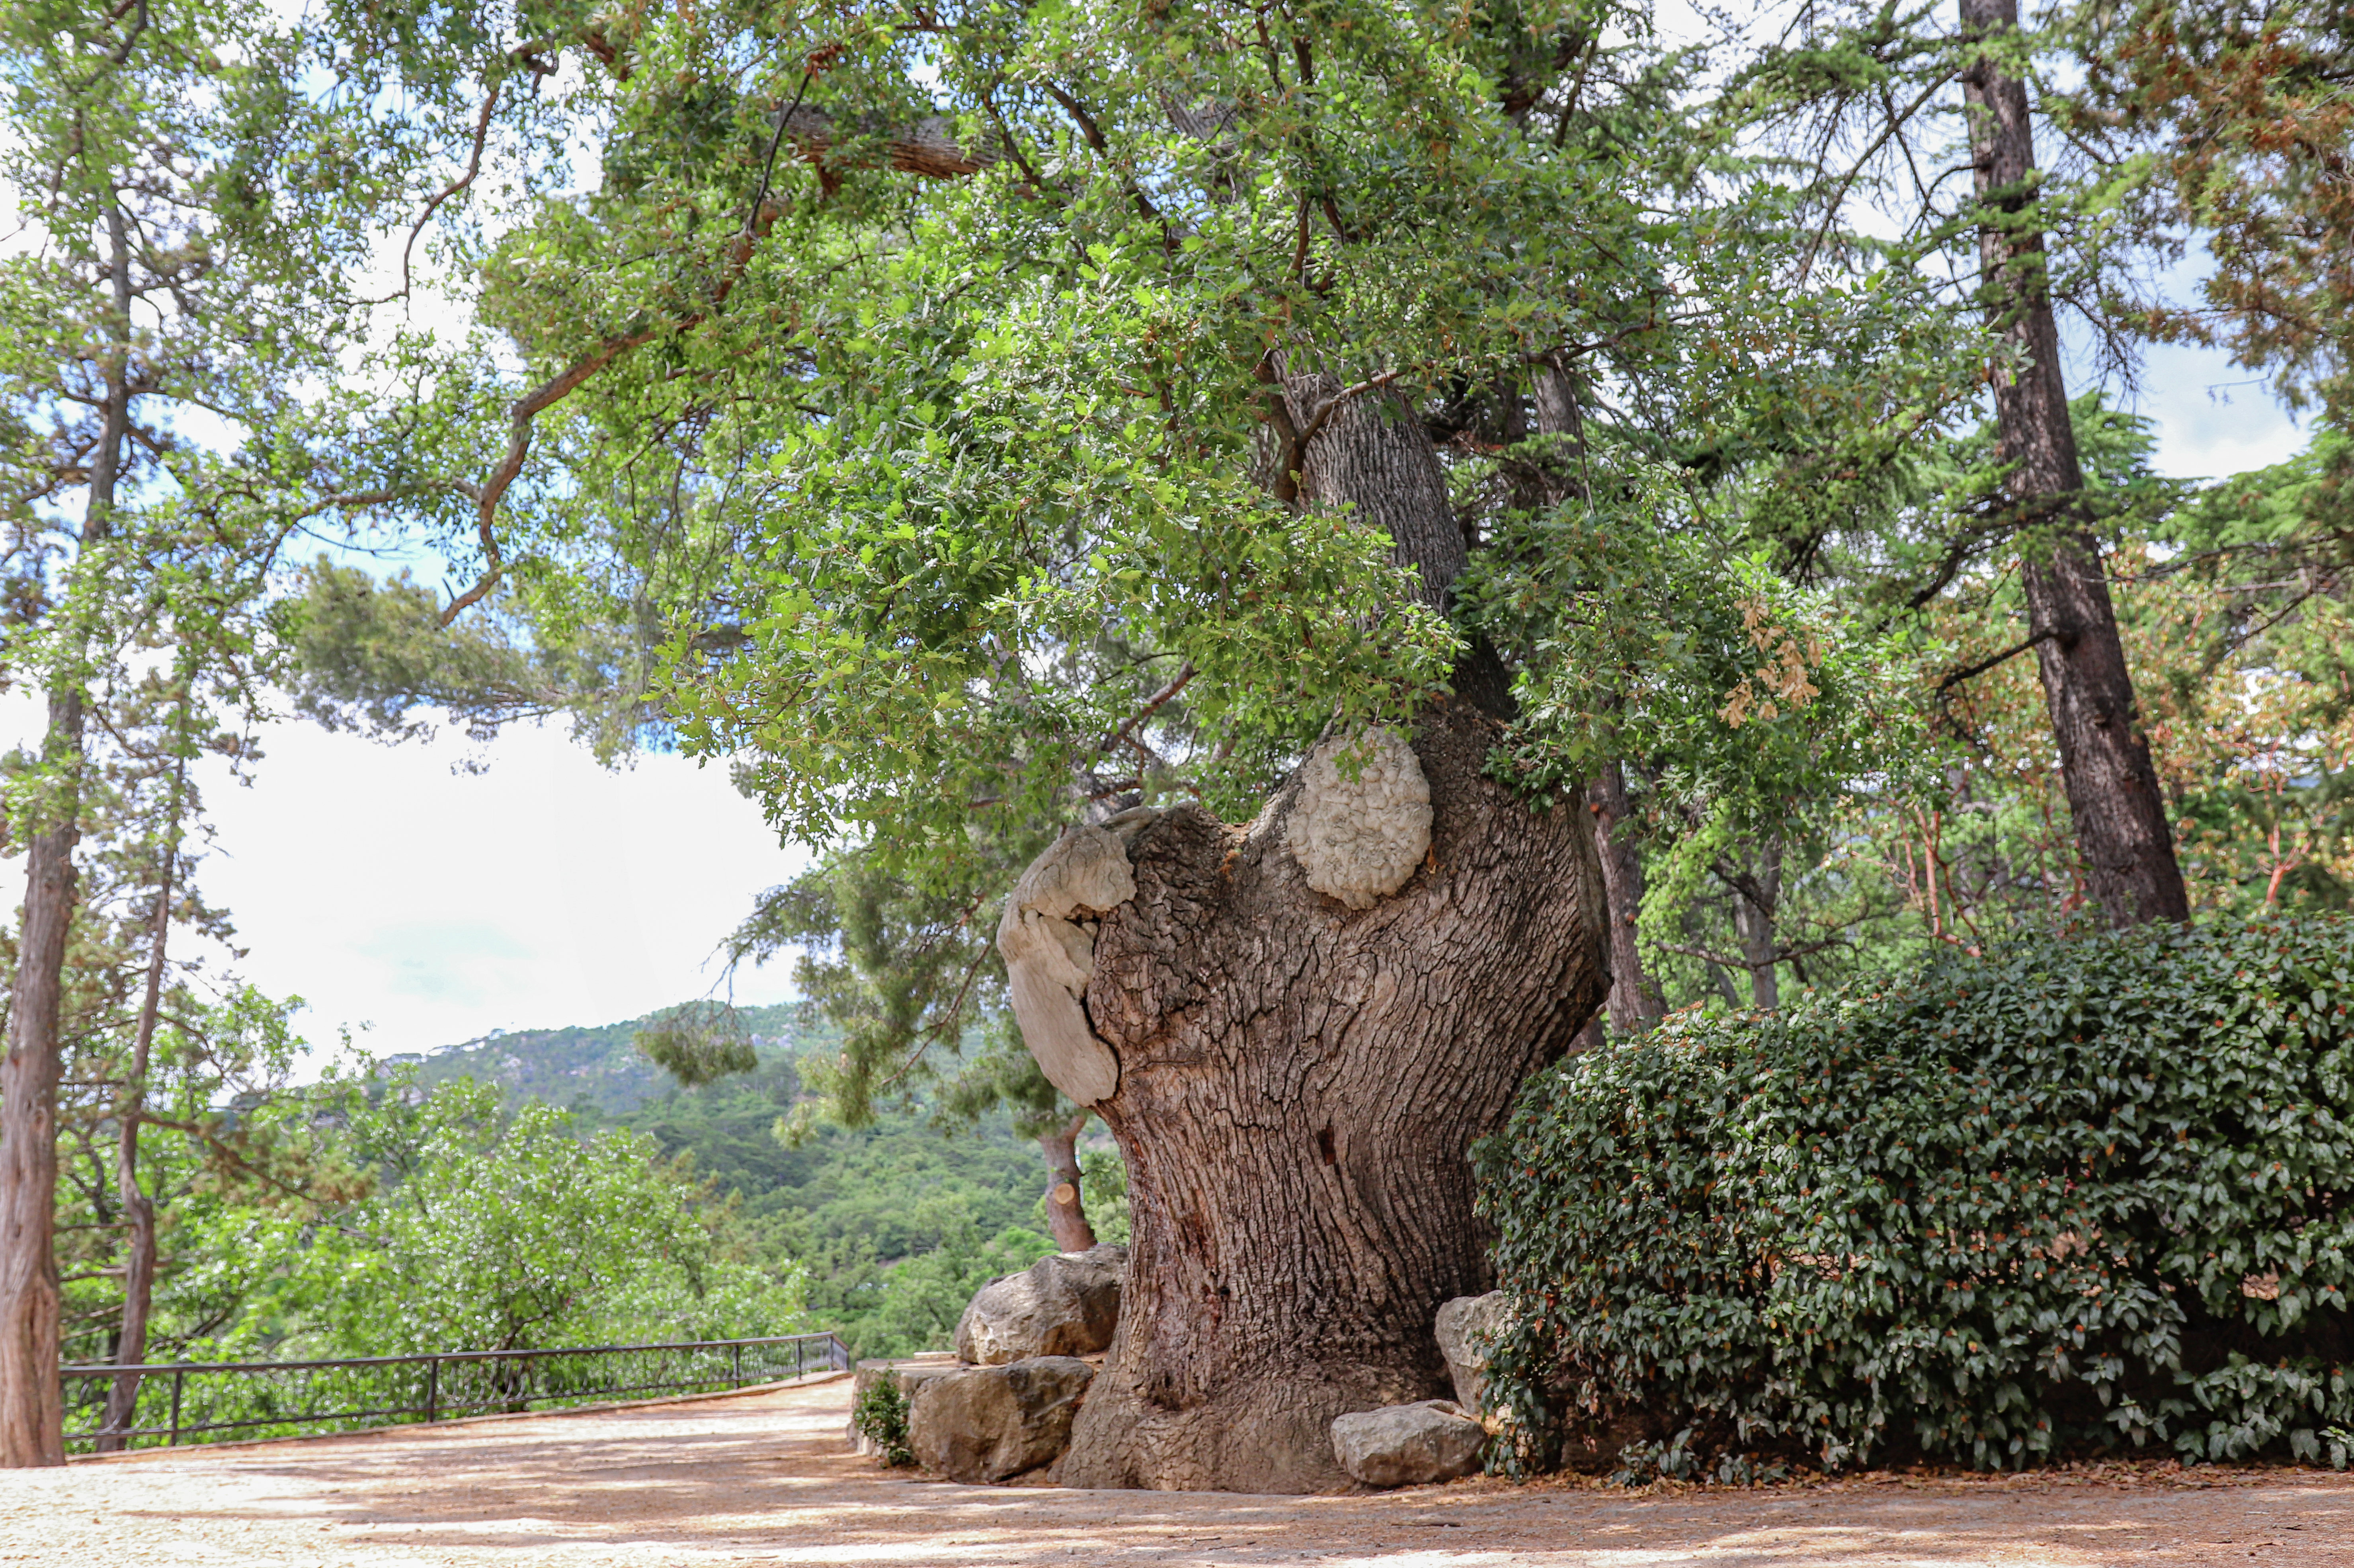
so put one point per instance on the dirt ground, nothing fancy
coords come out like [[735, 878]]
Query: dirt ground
[[766, 1478]]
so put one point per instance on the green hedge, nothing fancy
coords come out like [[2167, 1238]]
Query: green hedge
[[2081, 1196]]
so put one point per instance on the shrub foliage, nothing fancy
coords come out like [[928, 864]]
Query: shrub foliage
[[2074, 1197], [881, 1416]]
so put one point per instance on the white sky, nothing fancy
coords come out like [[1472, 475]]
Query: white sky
[[389, 891], [2212, 417]]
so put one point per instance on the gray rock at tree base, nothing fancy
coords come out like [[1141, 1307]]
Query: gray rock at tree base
[[1468, 1327], [1408, 1445], [911, 1374], [986, 1424], [1065, 1304]]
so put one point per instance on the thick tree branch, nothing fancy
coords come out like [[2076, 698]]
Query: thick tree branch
[[525, 412], [563, 384], [1152, 705], [928, 147], [1983, 665]]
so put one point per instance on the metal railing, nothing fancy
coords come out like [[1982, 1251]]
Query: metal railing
[[221, 1400]]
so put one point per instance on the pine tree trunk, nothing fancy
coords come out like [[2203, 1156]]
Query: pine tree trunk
[[31, 1414], [2114, 799], [32, 1417], [138, 1208], [138, 1295], [1298, 1080], [1066, 1212]]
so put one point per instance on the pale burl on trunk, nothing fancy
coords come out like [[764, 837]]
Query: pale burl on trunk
[[2119, 814], [1295, 1078]]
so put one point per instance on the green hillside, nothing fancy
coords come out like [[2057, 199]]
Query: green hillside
[[898, 1224], [590, 1068]]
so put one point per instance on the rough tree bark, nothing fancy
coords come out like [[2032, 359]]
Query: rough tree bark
[[31, 1418], [1298, 1080], [1357, 444], [1298, 1085], [1067, 1213], [1635, 1000], [2114, 799]]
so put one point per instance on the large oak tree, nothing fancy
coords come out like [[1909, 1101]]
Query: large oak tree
[[1028, 418], [1014, 419]]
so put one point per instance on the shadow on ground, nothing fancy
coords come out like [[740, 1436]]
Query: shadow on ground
[[767, 1479]]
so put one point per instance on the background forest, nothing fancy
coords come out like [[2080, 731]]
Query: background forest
[[553, 1188], [904, 406]]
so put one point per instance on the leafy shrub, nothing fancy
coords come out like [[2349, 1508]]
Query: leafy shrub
[[2061, 1200], [881, 1416]]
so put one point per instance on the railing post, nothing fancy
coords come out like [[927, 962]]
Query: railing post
[[432, 1389], [800, 1347], [176, 1410], [740, 1368]]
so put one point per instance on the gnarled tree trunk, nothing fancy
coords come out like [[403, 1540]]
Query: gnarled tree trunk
[[1298, 1085], [1296, 1077]]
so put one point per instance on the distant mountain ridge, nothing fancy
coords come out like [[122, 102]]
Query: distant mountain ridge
[[590, 1066]]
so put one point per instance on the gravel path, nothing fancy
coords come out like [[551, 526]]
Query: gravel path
[[765, 1479]]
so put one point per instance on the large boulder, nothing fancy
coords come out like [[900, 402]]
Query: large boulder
[[1408, 1445], [1468, 1327], [910, 1373], [1065, 1304], [986, 1424]]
